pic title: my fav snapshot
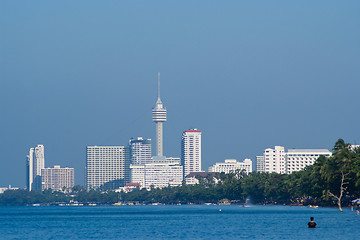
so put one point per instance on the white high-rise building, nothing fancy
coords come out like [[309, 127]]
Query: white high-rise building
[[231, 165], [159, 173], [274, 160], [191, 151], [57, 178], [140, 151], [260, 164], [106, 166], [298, 159], [34, 163], [159, 117], [30, 169]]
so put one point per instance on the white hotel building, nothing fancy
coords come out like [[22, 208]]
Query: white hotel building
[[231, 165], [159, 173], [191, 151], [106, 164], [278, 161], [298, 159]]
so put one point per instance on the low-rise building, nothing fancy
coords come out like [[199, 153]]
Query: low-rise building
[[193, 177], [231, 165]]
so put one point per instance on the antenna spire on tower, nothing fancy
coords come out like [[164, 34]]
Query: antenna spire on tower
[[158, 85]]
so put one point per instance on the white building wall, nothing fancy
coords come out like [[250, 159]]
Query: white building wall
[[275, 160], [298, 159], [231, 165], [260, 164], [191, 151], [160, 173], [105, 164]]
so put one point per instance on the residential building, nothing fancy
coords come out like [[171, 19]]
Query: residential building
[[191, 151], [260, 164], [57, 178], [231, 165], [274, 160], [34, 163], [140, 151], [298, 159], [161, 172], [106, 167]]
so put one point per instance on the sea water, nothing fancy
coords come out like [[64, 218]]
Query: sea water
[[176, 222]]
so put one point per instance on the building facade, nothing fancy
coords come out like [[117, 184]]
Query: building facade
[[106, 166], [35, 162], [57, 178], [159, 173], [260, 164], [140, 151], [298, 159], [274, 160], [231, 165], [191, 151]]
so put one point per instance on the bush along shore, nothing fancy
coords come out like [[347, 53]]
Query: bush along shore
[[333, 181]]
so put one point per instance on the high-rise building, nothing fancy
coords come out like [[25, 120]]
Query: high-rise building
[[34, 163], [140, 151], [159, 117], [260, 164], [274, 160], [298, 159], [231, 165], [106, 166], [191, 151], [57, 178], [29, 169]]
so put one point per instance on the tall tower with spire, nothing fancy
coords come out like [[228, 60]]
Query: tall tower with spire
[[159, 116]]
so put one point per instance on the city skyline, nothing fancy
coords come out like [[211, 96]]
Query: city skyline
[[249, 75]]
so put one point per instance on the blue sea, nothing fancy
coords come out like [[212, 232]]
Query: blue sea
[[176, 222]]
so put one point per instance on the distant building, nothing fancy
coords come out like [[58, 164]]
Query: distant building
[[192, 178], [279, 161], [107, 167], [191, 151], [2, 190], [128, 187], [161, 172], [57, 178], [140, 151], [260, 164], [298, 159], [274, 160], [231, 165], [35, 161]]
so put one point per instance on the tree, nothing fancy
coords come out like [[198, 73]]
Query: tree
[[335, 171]]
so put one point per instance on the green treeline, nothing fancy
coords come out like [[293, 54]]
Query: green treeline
[[328, 181]]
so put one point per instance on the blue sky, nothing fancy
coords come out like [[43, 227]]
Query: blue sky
[[249, 74]]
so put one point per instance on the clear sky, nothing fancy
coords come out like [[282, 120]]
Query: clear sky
[[249, 74]]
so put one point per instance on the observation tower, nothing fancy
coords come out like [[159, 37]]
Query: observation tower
[[159, 117]]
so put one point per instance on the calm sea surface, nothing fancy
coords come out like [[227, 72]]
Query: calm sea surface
[[176, 222]]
